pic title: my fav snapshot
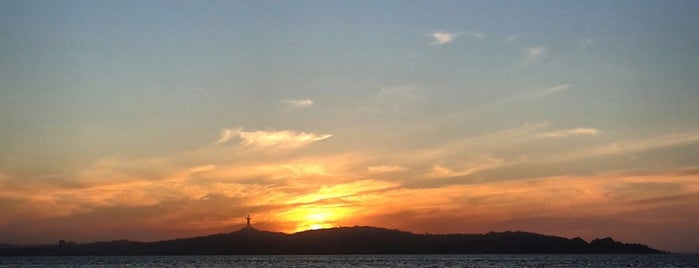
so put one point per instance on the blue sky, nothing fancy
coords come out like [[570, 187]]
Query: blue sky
[[303, 99]]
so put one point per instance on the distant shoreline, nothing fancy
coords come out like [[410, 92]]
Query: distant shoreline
[[338, 241]]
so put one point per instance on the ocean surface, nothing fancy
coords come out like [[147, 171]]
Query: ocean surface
[[359, 261]]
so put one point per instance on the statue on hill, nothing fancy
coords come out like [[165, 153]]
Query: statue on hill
[[248, 219]]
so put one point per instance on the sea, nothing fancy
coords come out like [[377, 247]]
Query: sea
[[667, 260]]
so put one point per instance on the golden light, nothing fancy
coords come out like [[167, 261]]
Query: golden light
[[329, 206], [319, 226], [315, 217]]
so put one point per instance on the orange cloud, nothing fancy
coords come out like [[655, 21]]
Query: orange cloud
[[211, 189], [384, 168], [572, 132], [197, 200]]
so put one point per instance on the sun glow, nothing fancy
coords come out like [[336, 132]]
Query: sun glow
[[313, 218], [317, 217], [331, 205], [319, 226]]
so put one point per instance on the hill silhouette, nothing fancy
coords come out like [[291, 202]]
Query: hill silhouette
[[342, 240]]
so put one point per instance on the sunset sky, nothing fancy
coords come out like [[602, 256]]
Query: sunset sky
[[149, 120]]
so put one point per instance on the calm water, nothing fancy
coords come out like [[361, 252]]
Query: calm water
[[361, 261]]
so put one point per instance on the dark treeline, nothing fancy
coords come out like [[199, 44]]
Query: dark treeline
[[344, 240]]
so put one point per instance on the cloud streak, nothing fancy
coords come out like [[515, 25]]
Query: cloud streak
[[284, 139], [299, 103], [572, 132], [631, 146], [533, 94], [384, 168], [439, 171]]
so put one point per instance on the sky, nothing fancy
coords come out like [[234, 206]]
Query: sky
[[149, 120]]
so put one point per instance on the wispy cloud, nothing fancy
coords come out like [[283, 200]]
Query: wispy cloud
[[533, 54], [289, 194], [298, 103], [631, 145], [581, 201], [285, 139], [391, 92], [384, 168], [306, 169], [439, 171], [572, 132], [442, 37], [533, 94], [227, 134], [168, 208], [525, 95], [555, 89]]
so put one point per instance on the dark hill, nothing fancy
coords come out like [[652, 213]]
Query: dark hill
[[344, 240]]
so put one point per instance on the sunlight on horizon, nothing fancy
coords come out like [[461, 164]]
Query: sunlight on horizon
[[313, 218]]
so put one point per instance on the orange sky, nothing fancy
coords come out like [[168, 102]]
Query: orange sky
[[158, 119], [288, 188]]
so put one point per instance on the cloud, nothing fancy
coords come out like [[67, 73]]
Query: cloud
[[555, 89], [383, 168], [533, 54], [298, 170], [631, 146], [649, 200], [572, 132], [170, 208], [506, 100], [441, 37], [228, 134], [299, 103], [439, 171], [196, 196], [541, 92], [532, 94], [280, 139], [284, 139]]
